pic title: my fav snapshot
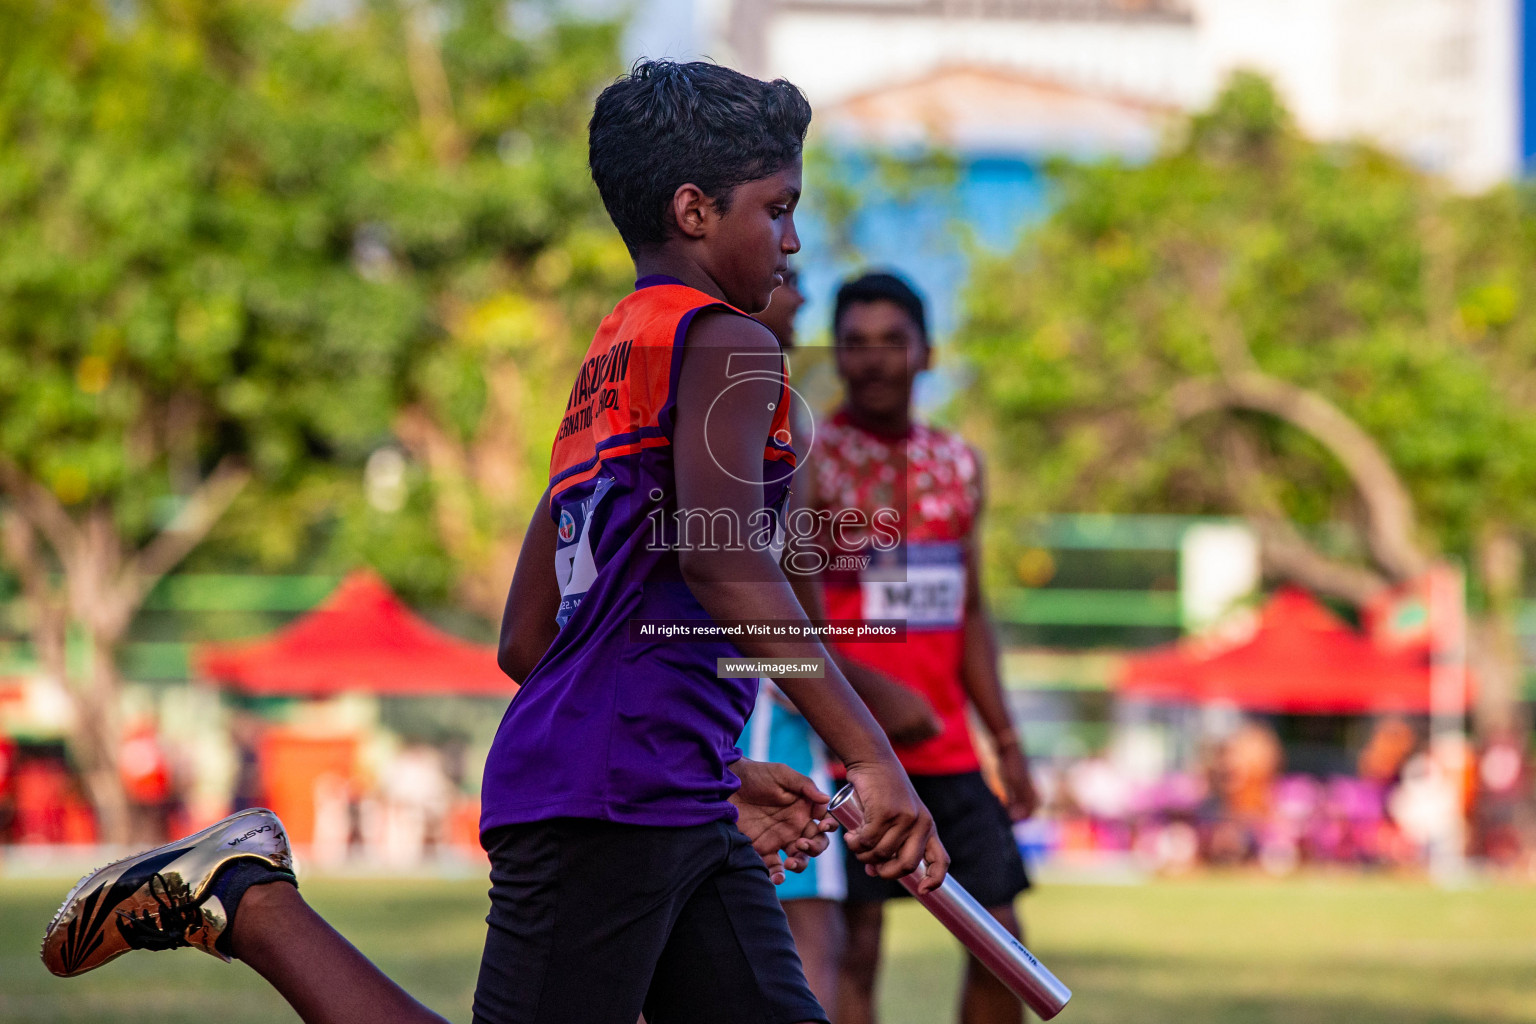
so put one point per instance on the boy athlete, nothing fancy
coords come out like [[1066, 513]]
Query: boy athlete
[[874, 459], [620, 881]]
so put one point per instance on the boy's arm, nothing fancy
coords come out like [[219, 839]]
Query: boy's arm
[[982, 685], [718, 459], [528, 622]]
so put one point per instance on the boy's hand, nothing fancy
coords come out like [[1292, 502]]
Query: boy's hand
[[783, 813], [898, 831]]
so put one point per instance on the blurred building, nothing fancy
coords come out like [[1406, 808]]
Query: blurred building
[[1439, 81], [1000, 86]]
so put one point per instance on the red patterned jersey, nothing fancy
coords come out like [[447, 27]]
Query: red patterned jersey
[[920, 496]]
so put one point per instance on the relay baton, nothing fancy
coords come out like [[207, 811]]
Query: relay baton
[[980, 932]]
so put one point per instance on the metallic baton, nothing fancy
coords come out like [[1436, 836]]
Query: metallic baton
[[957, 910]]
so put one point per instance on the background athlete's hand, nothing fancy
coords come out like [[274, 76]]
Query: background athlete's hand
[[898, 831], [904, 714], [1018, 785], [783, 813]]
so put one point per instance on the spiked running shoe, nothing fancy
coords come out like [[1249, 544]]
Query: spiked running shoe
[[162, 898]]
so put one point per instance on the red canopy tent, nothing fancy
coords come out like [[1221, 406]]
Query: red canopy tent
[[1299, 659], [363, 638]]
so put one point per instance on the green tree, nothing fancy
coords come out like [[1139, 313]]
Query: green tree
[[520, 261], [1303, 333], [241, 251]]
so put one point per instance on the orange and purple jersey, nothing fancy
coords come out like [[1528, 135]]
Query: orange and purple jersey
[[611, 723]]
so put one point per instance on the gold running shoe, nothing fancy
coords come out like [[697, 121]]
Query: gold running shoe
[[160, 899]]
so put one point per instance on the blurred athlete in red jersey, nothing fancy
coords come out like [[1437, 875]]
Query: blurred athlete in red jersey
[[875, 460]]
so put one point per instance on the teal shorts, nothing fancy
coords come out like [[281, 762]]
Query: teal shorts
[[777, 732]]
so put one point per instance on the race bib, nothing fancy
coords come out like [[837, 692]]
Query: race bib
[[575, 567], [930, 596]]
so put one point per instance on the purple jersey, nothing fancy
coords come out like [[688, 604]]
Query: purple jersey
[[611, 724]]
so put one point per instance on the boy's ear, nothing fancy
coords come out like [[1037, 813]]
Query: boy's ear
[[692, 210]]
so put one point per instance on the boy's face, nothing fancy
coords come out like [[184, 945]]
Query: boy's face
[[879, 353], [750, 247]]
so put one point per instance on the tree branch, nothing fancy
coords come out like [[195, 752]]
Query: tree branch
[[1389, 508], [1228, 342], [40, 508], [475, 487], [1288, 555], [448, 466], [1285, 552], [18, 538], [434, 99], [198, 515]]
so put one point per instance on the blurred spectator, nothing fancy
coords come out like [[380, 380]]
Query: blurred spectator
[[1424, 802], [7, 787], [1392, 742], [245, 730], [146, 774], [418, 796], [1247, 764], [49, 805], [334, 812], [1502, 827]]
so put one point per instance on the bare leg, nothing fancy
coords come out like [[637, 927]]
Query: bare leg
[[817, 926], [322, 975], [860, 965], [984, 999]]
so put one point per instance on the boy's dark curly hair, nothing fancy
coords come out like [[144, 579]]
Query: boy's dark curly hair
[[666, 124]]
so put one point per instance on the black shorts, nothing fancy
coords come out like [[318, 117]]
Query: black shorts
[[593, 921], [974, 828]]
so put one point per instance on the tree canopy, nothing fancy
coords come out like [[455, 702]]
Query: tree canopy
[[1149, 347], [245, 251], [1308, 334], [237, 239]]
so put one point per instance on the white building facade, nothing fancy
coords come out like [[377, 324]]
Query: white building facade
[[1438, 81]]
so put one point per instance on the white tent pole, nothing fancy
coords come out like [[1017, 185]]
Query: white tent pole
[[1448, 742]]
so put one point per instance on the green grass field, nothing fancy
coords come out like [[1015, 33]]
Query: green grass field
[[1228, 950]]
